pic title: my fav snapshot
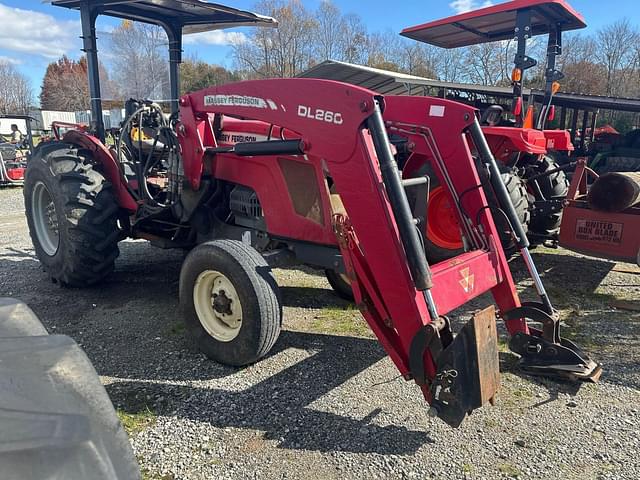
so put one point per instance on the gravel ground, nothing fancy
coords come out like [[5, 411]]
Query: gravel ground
[[327, 402]]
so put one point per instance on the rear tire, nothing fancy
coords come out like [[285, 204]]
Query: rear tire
[[72, 215], [552, 186], [230, 303], [339, 284]]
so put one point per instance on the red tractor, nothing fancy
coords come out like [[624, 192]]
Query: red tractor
[[14, 155], [269, 172], [522, 145]]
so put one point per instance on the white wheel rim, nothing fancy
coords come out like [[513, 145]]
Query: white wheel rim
[[45, 219], [217, 305]]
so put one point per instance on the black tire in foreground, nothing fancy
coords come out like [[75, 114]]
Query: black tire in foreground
[[230, 302], [553, 186], [72, 215], [339, 284]]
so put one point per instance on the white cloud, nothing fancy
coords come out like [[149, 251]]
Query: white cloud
[[215, 37], [34, 33], [461, 6], [8, 60]]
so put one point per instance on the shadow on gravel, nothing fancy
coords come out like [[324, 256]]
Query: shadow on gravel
[[279, 405], [17, 253], [131, 329], [509, 364], [311, 297], [580, 274]]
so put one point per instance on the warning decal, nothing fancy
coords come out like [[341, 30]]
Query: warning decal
[[603, 232]]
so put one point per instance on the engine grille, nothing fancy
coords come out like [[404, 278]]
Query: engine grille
[[244, 202]]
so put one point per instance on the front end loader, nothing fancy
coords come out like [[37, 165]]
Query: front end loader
[[264, 173]]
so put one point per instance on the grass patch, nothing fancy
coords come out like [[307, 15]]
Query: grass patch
[[134, 423], [508, 469], [491, 423], [147, 475], [503, 345], [467, 468], [177, 329], [341, 321]]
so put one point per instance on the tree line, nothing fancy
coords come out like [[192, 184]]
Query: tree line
[[16, 93], [605, 62]]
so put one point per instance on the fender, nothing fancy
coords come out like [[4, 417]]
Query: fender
[[110, 168], [504, 141]]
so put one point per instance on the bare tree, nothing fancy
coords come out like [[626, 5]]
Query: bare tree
[[329, 34], [282, 52], [617, 52], [606, 63], [450, 64], [383, 50], [16, 93], [578, 62], [418, 59], [484, 63], [354, 35], [139, 66]]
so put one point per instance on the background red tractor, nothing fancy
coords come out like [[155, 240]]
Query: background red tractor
[[14, 155], [520, 143]]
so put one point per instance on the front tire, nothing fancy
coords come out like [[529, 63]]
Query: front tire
[[72, 215], [230, 303]]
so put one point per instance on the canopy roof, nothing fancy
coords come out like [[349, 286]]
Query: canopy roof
[[495, 23], [192, 15], [386, 82]]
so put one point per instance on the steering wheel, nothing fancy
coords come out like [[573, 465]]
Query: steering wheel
[[492, 115]]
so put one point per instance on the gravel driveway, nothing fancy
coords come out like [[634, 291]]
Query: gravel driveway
[[327, 403]]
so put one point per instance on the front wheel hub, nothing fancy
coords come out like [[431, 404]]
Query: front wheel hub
[[217, 305], [443, 228]]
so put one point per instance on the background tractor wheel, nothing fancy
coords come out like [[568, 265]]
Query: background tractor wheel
[[340, 284], [442, 239], [72, 215], [552, 186], [521, 201], [230, 302]]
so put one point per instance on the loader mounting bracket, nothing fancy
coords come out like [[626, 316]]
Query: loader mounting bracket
[[468, 370], [544, 352], [563, 360]]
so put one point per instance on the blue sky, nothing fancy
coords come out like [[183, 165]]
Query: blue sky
[[33, 33]]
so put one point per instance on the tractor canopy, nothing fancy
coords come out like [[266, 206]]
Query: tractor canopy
[[496, 23], [192, 16], [176, 17]]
